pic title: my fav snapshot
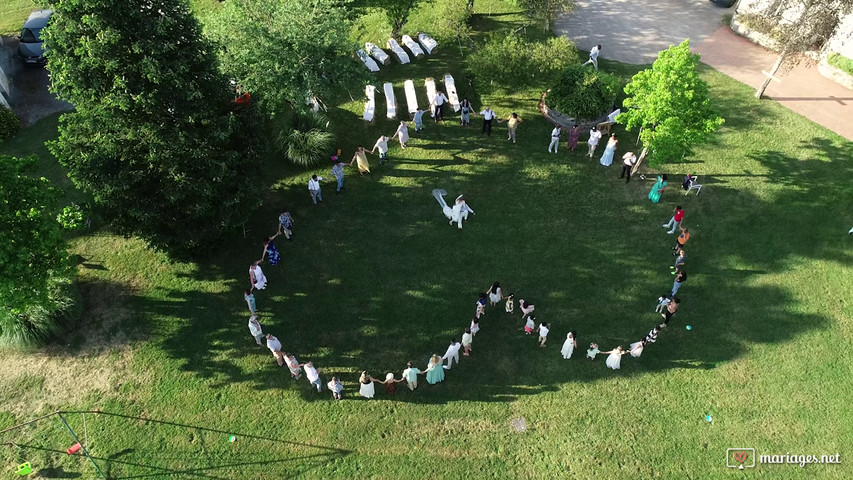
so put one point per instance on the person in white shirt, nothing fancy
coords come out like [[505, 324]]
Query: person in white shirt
[[275, 347], [438, 105], [488, 115], [628, 162], [401, 134], [255, 330], [382, 145], [593, 56], [460, 211], [451, 354], [555, 139], [543, 333], [467, 340], [313, 376], [314, 188], [594, 137]]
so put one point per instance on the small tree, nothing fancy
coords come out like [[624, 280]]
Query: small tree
[[547, 10], [512, 61], [670, 103], [583, 92], [796, 27], [286, 51], [445, 20], [33, 257]]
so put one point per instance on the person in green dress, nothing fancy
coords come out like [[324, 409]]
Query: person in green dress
[[434, 372], [657, 189]]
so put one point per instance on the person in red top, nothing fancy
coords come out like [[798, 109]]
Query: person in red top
[[675, 221]]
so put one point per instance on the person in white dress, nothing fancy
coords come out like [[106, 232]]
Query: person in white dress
[[460, 211], [451, 354], [636, 348], [402, 134], [555, 140], [365, 385], [607, 156], [256, 276], [543, 334], [594, 138], [495, 294], [615, 358], [569, 345]]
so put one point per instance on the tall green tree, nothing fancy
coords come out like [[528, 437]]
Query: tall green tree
[[286, 51], [547, 10], [397, 11], [33, 256], [670, 103], [155, 137]]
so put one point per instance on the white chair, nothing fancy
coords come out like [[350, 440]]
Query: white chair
[[692, 185]]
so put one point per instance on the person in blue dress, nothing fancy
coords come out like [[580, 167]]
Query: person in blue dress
[[270, 252], [657, 189]]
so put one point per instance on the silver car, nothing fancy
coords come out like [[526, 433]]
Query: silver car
[[31, 48]]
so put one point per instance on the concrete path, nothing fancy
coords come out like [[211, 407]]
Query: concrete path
[[634, 32], [804, 90]]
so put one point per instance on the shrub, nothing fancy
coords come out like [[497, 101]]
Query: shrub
[[39, 322], [373, 26], [583, 92], [841, 62], [308, 142], [9, 123], [513, 61], [444, 20]]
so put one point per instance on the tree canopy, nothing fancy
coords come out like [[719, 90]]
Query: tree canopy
[[583, 92], [671, 104], [286, 51], [155, 138]]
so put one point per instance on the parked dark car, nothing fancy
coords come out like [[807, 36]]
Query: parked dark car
[[31, 48], [724, 3]]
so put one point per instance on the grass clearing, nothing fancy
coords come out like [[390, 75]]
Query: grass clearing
[[375, 277]]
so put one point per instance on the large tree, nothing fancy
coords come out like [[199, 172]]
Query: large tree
[[547, 10], [397, 11], [795, 27], [155, 138], [286, 51], [670, 103], [33, 257]]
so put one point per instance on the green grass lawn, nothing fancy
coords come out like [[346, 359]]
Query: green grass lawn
[[375, 277]]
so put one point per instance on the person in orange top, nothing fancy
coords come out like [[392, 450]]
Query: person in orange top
[[681, 240]]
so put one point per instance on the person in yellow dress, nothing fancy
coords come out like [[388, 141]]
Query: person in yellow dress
[[360, 157]]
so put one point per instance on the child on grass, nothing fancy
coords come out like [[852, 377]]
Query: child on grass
[[475, 326], [526, 308], [390, 383], [530, 325], [467, 339], [510, 304], [336, 387], [543, 333], [481, 305], [293, 365], [663, 301], [593, 351]]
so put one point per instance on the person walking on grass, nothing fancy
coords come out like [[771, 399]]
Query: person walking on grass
[[255, 330], [526, 308], [657, 189], [361, 157], [275, 347], [628, 162], [480, 305], [467, 340], [679, 262], [495, 294], [609, 151], [488, 115], [509, 307], [336, 387], [594, 138], [438, 104], [338, 173], [314, 189], [365, 385], [652, 336], [434, 370], [569, 345], [555, 139], [512, 124], [675, 221], [293, 365], [390, 383], [475, 326], [593, 57], [285, 224], [250, 301], [529, 325], [270, 251], [382, 145], [676, 285], [669, 312], [574, 136], [465, 109], [451, 354], [614, 359], [419, 120], [411, 375], [543, 334], [681, 240], [256, 276], [402, 134], [313, 376]]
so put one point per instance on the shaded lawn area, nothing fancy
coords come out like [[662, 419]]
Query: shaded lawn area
[[375, 277]]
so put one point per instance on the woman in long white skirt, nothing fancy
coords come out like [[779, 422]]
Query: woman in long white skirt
[[257, 277], [365, 385], [495, 293], [569, 345], [607, 157], [636, 348], [402, 134], [615, 358]]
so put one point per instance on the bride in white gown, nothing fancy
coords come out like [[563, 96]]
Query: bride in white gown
[[460, 210]]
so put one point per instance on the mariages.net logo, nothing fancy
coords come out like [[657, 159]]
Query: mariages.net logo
[[742, 458]]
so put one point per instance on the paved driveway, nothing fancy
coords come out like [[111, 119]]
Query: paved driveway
[[30, 98], [633, 31]]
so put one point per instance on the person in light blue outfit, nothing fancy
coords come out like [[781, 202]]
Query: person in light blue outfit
[[434, 372], [607, 156], [419, 120], [338, 172]]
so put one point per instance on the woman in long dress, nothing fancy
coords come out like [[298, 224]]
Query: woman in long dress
[[495, 294], [607, 157], [636, 348], [569, 345], [615, 357], [402, 133], [657, 189], [365, 385], [270, 251], [434, 372], [574, 135], [360, 157], [257, 277]]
